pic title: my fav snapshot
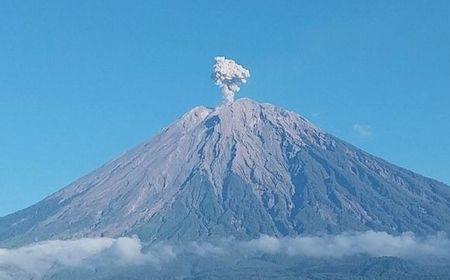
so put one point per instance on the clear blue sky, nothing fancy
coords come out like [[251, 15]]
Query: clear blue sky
[[82, 81]]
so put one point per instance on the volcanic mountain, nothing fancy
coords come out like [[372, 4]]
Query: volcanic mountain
[[241, 169]]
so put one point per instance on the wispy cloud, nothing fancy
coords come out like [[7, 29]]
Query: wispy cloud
[[363, 130]]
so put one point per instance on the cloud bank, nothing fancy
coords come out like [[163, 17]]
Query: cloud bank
[[374, 244], [38, 260], [228, 75]]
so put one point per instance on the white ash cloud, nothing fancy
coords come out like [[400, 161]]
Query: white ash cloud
[[229, 75]]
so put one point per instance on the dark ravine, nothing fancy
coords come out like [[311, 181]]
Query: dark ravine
[[239, 170]]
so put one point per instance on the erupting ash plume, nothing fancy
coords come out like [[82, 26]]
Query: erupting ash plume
[[228, 75]]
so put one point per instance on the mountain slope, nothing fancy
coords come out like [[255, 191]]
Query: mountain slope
[[242, 169]]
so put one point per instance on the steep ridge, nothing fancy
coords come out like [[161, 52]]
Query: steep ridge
[[239, 170]]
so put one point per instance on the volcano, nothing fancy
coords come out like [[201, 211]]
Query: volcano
[[242, 169]]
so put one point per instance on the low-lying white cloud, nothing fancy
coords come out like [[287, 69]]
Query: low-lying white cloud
[[374, 244], [38, 260]]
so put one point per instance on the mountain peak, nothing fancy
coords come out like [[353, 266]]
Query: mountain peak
[[247, 114]]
